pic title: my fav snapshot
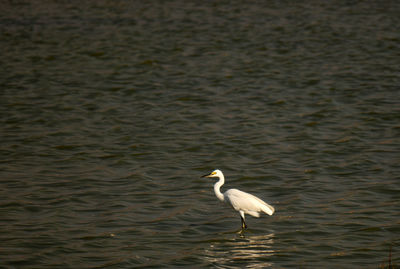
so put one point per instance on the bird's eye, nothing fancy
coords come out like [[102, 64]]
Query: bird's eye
[[213, 173]]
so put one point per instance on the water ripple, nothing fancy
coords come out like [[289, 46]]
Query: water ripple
[[110, 112]]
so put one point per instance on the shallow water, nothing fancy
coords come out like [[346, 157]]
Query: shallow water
[[112, 110]]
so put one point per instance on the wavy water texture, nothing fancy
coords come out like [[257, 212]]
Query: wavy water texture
[[110, 111]]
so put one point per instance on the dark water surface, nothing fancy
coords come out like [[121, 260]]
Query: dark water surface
[[111, 110]]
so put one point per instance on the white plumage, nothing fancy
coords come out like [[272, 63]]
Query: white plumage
[[243, 202]]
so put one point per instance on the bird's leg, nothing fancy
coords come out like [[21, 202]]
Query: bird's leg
[[244, 226]]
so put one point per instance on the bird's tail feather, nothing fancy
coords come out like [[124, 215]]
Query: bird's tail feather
[[268, 209]]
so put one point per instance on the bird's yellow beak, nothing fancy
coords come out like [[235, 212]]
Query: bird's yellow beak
[[210, 175]]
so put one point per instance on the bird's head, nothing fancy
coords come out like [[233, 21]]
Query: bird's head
[[215, 173]]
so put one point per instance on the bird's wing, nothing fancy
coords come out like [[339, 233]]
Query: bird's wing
[[247, 202]]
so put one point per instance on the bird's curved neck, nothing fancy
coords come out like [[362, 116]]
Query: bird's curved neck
[[217, 187]]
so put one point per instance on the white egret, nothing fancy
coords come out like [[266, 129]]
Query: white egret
[[243, 202]]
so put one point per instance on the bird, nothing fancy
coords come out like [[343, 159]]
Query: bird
[[243, 202]]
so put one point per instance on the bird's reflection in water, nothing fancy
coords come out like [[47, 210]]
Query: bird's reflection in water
[[249, 251]]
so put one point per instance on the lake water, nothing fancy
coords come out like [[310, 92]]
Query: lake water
[[110, 111]]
